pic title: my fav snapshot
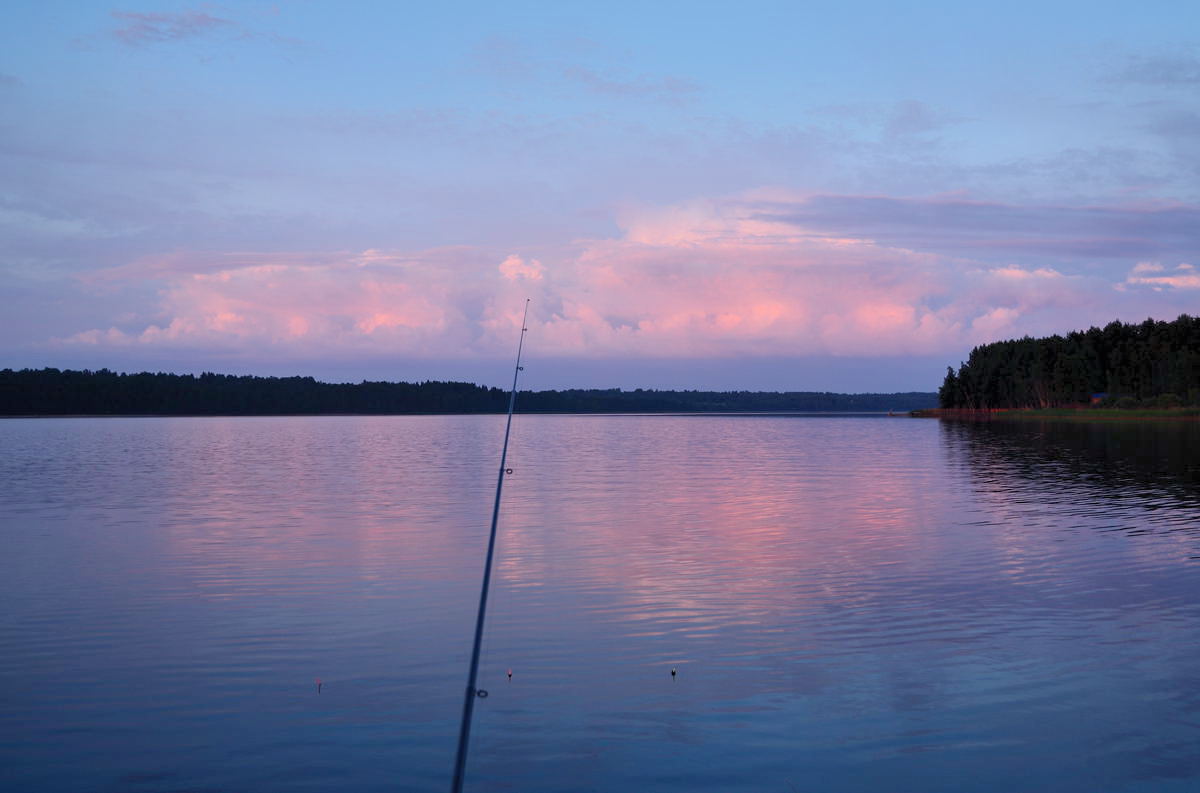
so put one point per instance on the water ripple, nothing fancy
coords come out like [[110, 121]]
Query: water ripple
[[850, 604]]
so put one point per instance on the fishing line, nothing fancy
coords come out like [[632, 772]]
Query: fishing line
[[473, 692]]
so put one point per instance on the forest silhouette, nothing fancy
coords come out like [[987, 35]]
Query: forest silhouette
[[50, 392], [1151, 364]]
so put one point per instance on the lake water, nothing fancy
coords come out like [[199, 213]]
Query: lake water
[[852, 604]]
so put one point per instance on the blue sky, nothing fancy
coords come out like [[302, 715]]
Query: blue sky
[[766, 195]]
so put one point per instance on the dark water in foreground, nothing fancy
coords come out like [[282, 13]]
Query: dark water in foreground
[[853, 604]]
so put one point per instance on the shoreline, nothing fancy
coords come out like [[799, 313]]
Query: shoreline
[[742, 413], [1067, 414]]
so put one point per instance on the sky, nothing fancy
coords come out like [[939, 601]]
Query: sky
[[765, 196]]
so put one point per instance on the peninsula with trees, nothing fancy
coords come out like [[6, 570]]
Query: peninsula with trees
[[1152, 365]]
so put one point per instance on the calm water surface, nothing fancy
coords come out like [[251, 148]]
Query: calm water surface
[[852, 604]]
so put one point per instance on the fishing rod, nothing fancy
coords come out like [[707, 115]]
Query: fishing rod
[[473, 693]]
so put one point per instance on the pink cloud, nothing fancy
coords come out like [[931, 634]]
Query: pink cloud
[[1018, 274], [709, 278], [1183, 276], [515, 268]]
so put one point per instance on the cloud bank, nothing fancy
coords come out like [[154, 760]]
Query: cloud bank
[[761, 274]]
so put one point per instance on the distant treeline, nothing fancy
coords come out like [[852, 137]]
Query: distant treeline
[[53, 392], [1152, 364]]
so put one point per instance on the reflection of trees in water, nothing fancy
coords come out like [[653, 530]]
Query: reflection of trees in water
[[1117, 460]]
